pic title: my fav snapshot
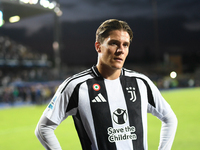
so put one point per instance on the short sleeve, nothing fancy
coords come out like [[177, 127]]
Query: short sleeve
[[56, 109]]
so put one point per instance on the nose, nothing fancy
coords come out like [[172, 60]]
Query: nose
[[120, 49]]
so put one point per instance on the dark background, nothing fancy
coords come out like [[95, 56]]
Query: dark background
[[160, 28]]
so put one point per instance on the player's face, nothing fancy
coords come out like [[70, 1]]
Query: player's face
[[114, 49]]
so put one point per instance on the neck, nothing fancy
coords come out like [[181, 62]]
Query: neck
[[108, 72]]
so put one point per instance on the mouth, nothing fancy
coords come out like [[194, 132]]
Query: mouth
[[118, 59]]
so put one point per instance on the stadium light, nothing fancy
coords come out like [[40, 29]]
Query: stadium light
[[173, 74], [44, 3], [58, 11], [29, 1], [14, 19], [52, 5], [33, 2], [24, 1]]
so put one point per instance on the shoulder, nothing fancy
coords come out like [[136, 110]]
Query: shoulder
[[139, 76], [131, 73], [71, 82]]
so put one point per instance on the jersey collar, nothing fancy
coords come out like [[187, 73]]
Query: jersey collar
[[97, 73]]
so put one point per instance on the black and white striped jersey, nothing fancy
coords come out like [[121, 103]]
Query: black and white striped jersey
[[108, 114]]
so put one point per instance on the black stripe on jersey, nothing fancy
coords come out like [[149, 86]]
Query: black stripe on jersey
[[95, 71], [123, 71], [129, 84], [149, 93], [73, 101], [83, 136], [100, 112]]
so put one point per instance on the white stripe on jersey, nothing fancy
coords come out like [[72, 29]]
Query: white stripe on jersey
[[84, 107], [101, 97], [117, 101]]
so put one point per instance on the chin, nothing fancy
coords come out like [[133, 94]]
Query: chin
[[117, 67]]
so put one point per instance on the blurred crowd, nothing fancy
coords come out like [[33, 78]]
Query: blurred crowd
[[11, 50], [20, 65], [32, 93], [183, 81], [28, 77]]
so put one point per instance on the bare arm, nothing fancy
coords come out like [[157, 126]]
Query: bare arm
[[45, 134]]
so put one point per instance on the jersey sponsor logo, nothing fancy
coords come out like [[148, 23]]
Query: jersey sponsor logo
[[96, 87], [99, 98], [51, 105], [131, 91], [120, 116], [121, 134]]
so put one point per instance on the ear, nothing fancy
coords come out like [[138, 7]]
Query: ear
[[98, 47]]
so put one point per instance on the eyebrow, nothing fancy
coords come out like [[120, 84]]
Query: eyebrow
[[114, 40]]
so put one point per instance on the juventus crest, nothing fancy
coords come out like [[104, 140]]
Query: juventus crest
[[131, 91]]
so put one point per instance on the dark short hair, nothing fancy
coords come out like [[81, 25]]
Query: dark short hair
[[110, 25]]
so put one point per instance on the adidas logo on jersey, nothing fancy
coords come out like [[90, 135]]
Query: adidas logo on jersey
[[99, 98]]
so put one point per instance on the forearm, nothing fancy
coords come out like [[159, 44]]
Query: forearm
[[45, 134], [168, 130]]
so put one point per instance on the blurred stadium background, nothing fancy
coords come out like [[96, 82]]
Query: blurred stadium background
[[33, 65], [42, 42], [26, 76]]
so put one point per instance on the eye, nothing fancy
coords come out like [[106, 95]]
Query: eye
[[113, 43], [126, 44]]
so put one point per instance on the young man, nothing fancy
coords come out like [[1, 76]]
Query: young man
[[109, 104]]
